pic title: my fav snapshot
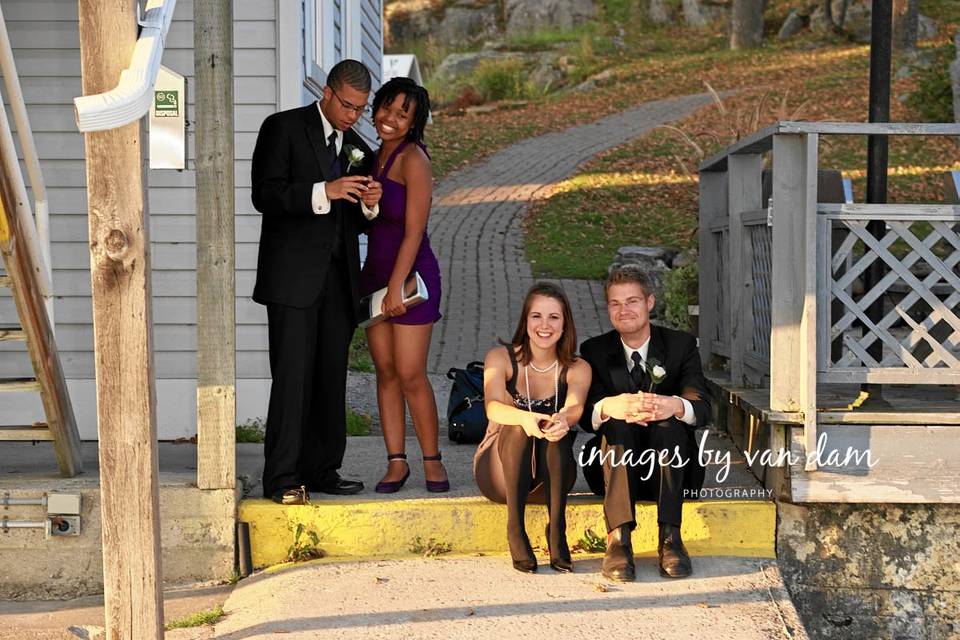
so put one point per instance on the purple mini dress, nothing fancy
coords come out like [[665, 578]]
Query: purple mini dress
[[385, 236]]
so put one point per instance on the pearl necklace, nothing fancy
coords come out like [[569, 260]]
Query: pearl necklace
[[538, 370], [556, 384]]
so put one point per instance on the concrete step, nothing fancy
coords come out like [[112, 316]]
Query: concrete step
[[365, 529]]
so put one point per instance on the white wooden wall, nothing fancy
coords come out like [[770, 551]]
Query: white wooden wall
[[45, 38]]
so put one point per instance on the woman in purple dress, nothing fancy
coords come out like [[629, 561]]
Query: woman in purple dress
[[398, 246]]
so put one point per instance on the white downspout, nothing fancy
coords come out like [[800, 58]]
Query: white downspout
[[30, 158], [130, 100]]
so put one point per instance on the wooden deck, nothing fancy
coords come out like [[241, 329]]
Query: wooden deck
[[913, 445]]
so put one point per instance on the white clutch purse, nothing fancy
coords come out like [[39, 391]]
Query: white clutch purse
[[371, 306]]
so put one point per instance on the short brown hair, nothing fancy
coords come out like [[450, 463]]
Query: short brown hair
[[566, 346], [626, 274]]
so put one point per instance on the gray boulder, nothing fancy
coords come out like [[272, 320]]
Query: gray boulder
[[547, 74], [459, 65], [526, 16], [660, 12], [450, 23], [791, 26]]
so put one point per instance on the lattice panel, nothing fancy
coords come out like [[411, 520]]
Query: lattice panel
[[918, 334], [761, 237], [720, 285]]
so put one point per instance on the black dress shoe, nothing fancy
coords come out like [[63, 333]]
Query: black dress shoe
[[562, 561], [674, 559], [618, 561], [291, 496], [338, 487]]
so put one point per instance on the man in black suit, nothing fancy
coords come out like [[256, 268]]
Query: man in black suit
[[308, 272], [646, 398]]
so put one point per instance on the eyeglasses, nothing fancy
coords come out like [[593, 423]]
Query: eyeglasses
[[629, 303], [350, 107]]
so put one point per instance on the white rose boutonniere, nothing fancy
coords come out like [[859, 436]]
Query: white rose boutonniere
[[355, 156], [656, 371]]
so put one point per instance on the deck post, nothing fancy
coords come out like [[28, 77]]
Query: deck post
[[793, 352]]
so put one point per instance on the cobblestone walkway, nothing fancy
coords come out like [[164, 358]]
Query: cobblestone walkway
[[476, 229]]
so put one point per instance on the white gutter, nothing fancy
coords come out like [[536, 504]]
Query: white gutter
[[130, 100], [30, 158]]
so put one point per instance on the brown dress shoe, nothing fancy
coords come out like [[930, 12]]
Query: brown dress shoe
[[674, 559], [291, 496], [618, 561]]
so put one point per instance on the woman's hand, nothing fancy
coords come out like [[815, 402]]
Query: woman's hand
[[530, 422], [558, 427], [393, 301]]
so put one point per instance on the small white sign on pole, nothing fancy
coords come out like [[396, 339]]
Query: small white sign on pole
[[168, 121]]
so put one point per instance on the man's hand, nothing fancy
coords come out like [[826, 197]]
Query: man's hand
[[657, 407], [349, 188], [626, 406], [371, 196]]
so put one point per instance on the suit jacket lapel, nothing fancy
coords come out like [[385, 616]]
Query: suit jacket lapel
[[616, 364], [656, 353], [318, 141]]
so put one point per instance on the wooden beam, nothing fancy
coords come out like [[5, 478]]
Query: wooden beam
[[122, 330], [216, 339]]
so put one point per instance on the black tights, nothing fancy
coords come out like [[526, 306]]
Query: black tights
[[555, 466]]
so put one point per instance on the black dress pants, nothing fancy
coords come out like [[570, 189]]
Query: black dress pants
[[306, 419], [622, 485]]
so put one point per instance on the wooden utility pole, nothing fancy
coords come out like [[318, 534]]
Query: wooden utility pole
[[216, 354], [122, 334]]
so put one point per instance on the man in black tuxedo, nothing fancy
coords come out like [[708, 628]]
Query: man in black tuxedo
[[664, 366], [308, 272]]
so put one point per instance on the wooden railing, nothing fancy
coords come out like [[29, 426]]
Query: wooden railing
[[782, 295]]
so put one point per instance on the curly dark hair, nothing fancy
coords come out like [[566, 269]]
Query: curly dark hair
[[411, 91]]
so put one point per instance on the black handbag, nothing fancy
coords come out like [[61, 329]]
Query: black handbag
[[466, 418]]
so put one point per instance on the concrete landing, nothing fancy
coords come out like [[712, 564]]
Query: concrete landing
[[727, 598]]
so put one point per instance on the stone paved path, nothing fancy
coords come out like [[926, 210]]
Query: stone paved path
[[476, 230]]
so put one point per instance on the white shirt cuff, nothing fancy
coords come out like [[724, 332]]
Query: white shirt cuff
[[319, 200], [369, 213], [688, 416], [596, 420]]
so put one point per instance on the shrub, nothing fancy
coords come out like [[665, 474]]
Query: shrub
[[501, 79], [933, 98], [679, 291]]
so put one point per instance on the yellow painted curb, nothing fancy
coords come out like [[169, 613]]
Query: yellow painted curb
[[384, 529]]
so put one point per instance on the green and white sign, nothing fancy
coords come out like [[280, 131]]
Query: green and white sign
[[166, 104]]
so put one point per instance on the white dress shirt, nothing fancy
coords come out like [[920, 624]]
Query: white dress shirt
[[319, 200], [596, 420]]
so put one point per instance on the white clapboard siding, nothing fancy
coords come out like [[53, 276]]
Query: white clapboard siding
[[45, 39]]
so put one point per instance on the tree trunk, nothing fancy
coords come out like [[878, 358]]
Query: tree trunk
[[841, 14], [746, 24], [906, 16], [660, 12], [695, 14]]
